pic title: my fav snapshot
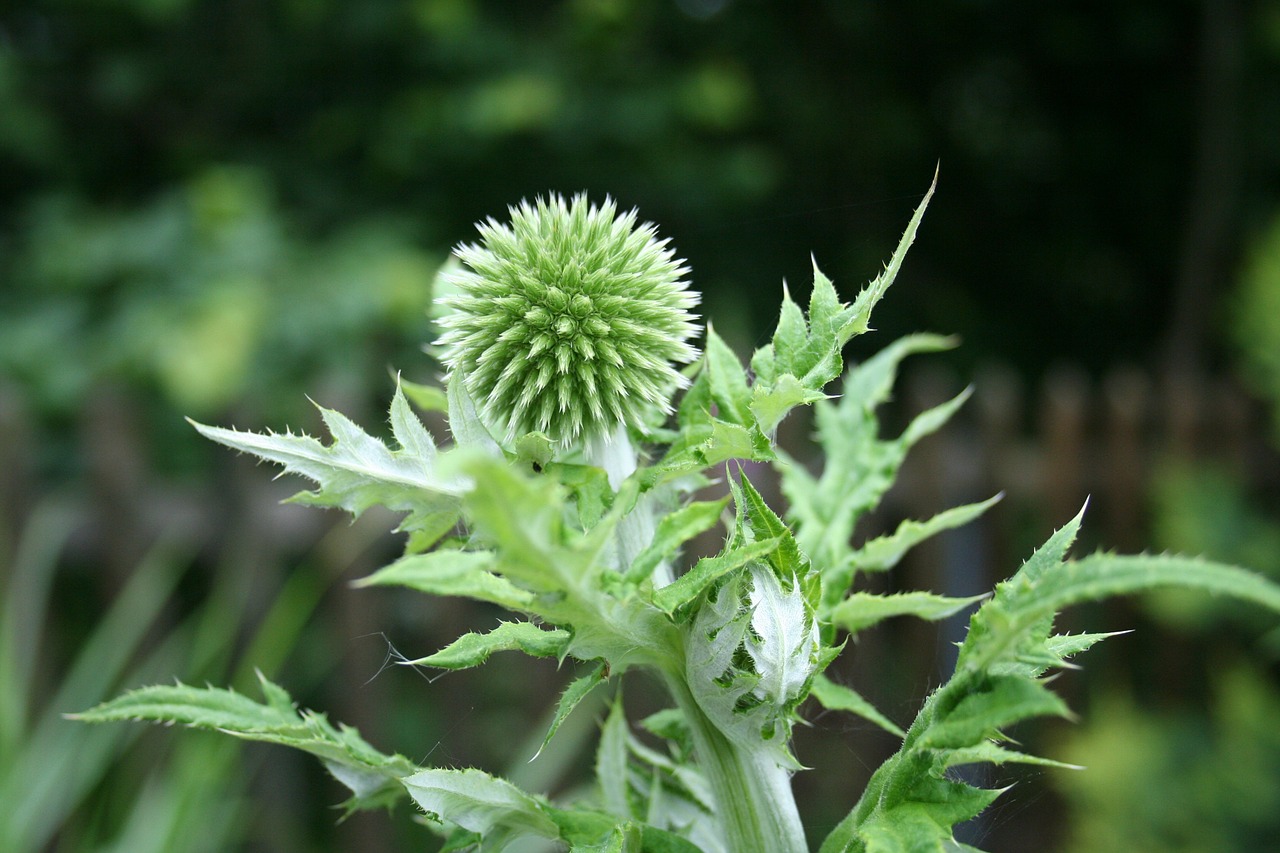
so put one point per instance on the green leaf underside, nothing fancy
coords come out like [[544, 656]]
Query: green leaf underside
[[468, 430], [640, 783], [611, 762], [473, 649], [864, 609], [728, 381], [499, 813], [749, 666], [523, 519], [491, 807], [452, 573]]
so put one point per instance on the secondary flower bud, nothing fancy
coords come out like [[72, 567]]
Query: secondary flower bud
[[568, 320]]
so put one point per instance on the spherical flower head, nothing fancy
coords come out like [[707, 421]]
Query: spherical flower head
[[568, 320]]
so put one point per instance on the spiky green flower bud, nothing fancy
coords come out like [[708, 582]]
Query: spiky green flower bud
[[568, 320]]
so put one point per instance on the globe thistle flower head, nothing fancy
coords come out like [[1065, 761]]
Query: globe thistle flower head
[[568, 320]]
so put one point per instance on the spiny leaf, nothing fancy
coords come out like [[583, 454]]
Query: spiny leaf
[[464, 421], [1063, 646], [912, 827], [727, 379], [864, 609], [792, 370], [1000, 702], [996, 680], [473, 649], [205, 708], [358, 471], [1017, 621], [989, 752], [815, 361], [873, 292], [787, 560], [837, 697], [673, 531], [453, 573], [706, 572], [372, 776], [931, 420], [1023, 604], [804, 354], [860, 466], [884, 552], [570, 699], [1053, 653]]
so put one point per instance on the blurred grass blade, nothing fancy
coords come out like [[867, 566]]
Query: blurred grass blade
[[59, 760]]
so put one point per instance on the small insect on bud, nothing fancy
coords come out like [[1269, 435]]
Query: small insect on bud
[[569, 320]]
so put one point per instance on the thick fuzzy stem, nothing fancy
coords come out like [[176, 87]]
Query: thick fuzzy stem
[[618, 459], [613, 453], [754, 802]]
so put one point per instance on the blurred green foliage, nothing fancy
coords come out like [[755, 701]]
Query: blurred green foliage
[[1182, 781], [1200, 771], [204, 296], [53, 777], [755, 133], [1206, 508], [1255, 318]]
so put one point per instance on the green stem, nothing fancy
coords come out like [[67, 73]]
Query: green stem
[[754, 803]]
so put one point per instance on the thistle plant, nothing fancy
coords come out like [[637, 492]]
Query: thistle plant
[[569, 321], [563, 336]]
